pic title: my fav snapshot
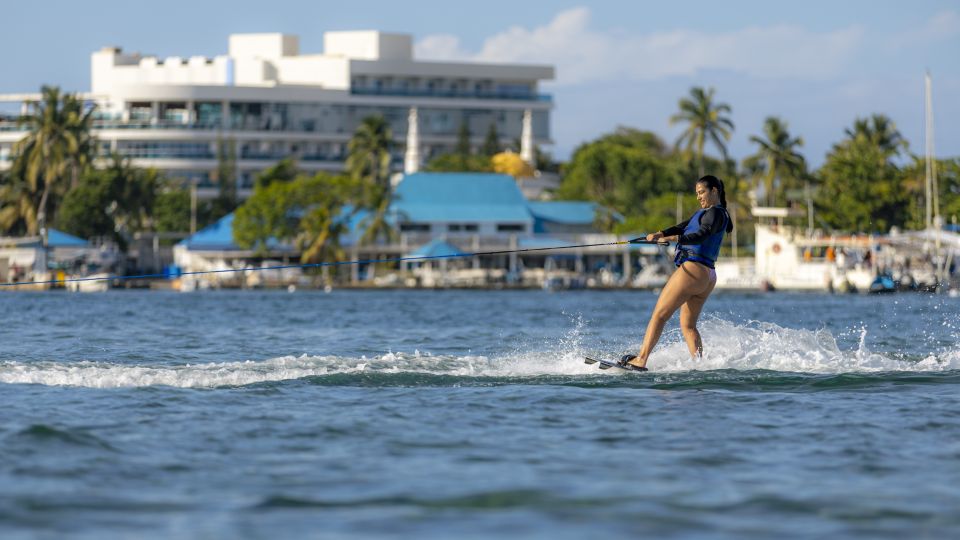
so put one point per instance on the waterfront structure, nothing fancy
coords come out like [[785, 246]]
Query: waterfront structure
[[237, 114], [445, 213], [26, 259]]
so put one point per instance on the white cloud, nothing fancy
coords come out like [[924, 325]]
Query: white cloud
[[583, 54]]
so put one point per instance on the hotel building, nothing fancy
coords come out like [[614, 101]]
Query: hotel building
[[264, 101]]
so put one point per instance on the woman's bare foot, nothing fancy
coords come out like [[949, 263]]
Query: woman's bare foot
[[634, 361]]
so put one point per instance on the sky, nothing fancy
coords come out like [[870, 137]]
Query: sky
[[817, 65]]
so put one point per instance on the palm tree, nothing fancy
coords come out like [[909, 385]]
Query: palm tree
[[368, 163], [58, 147], [18, 207], [368, 156], [705, 120], [880, 131], [778, 158]]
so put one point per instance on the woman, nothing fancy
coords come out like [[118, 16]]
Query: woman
[[698, 244]]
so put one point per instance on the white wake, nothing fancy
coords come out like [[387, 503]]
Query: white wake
[[728, 346]]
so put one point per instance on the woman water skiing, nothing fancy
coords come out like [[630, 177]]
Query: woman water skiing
[[698, 244]]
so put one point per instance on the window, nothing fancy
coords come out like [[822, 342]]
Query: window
[[462, 227], [511, 227], [414, 227]]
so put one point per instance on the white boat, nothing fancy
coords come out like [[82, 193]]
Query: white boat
[[91, 283]]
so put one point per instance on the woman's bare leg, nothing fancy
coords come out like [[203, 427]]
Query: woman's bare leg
[[688, 280], [689, 314]]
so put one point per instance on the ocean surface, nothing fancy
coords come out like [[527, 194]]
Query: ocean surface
[[470, 414]]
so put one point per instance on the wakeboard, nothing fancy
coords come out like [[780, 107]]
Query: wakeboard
[[607, 364]]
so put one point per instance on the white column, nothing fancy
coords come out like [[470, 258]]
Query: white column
[[411, 161], [125, 113], [155, 112], [24, 108], [526, 137], [191, 113], [225, 114]]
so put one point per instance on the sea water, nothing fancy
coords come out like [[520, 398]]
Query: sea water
[[470, 414]]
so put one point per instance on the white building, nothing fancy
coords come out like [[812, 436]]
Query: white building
[[264, 101]]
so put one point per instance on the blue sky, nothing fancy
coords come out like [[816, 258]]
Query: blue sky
[[816, 64]]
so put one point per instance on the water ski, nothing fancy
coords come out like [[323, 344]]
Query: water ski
[[607, 364]]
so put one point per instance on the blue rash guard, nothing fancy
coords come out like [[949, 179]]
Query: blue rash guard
[[700, 236]]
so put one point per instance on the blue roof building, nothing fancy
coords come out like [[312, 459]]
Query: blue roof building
[[478, 203], [438, 205]]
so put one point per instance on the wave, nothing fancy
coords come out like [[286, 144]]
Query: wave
[[755, 354]]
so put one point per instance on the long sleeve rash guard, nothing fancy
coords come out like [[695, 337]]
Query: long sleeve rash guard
[[711, 222]]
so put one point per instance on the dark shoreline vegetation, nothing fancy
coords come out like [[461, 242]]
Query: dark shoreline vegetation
[[869, 182]]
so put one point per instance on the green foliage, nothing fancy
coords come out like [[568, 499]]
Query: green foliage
[[622, 171], [659, 212], [116, 202], [308, 212], [706, 121], [226, 178], [491, 145], [57, 149], [369, 168], [948, 177], [463, 140], [268, 213], [18, 203], [171, 211], [861, 188], [777, 161], [459, 163], [284, 170], [84, 210], [368, 159]]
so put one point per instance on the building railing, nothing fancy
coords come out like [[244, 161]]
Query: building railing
[[406, 92]]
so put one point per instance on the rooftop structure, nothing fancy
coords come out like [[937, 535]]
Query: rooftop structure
[[265, 100]]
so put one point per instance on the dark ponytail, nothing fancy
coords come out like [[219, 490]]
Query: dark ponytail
[[712, 182]]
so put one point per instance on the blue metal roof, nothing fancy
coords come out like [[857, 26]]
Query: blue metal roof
[[219, 237], [566, 212], [453, 197], [57, 238], [436, 248], [540, 242], [216, 237]]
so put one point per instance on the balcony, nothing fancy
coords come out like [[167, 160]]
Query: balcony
[[453, 94]]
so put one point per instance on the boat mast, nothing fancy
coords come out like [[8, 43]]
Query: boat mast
[[932, 190]]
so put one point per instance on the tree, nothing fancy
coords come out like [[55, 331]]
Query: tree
[[512, 164], [58, 147], [463, 141], [368, 158], [491, 145], [879, 131], [309, 212], [226, 178], [622, 171], [914, 187], [705, 120], [368, 164], [284, 170], [457, 163], [18, 205], [861, 187], [269, 214], [171, 211], [116, 201], [777, 159]]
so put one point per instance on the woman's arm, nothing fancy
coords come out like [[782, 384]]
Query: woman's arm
[[711, 222]]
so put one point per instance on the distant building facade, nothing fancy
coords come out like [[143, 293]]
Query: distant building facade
[[264, 101]]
